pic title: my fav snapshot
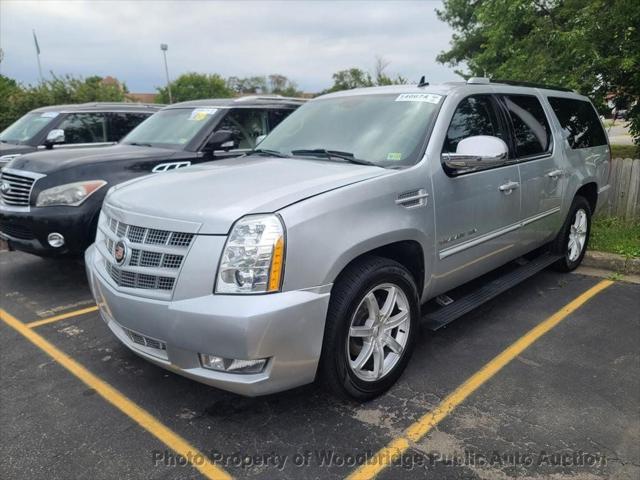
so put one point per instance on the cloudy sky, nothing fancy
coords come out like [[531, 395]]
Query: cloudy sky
[[305, 40]]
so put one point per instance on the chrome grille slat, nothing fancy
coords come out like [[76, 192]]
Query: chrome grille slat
[[20, 187], [155, 256]]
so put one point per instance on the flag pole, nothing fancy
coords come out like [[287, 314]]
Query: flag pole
[[35, 40]]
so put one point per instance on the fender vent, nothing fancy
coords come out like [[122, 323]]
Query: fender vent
[[413, 198]]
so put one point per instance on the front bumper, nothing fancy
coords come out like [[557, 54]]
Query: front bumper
[[28, 230], [287, 328]]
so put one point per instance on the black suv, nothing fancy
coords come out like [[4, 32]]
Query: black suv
[[82, 125], [50, 200]]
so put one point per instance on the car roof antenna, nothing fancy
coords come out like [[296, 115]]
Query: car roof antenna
[[423, 82]]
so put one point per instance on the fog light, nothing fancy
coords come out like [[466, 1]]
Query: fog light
[[231, 365], [56, 240]]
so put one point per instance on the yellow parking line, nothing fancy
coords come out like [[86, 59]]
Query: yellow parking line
[[420, 428], [63, 316], [118, 400]]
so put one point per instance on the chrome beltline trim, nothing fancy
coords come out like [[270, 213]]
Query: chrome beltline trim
[[447, 252]]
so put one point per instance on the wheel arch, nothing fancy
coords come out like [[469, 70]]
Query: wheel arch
[[409, 253]]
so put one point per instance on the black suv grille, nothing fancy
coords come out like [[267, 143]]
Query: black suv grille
[[16, 189]]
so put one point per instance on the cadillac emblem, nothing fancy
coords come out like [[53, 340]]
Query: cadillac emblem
[[120, 252], [5, 187]]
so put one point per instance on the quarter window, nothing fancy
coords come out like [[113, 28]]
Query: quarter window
[[579, 120], [531, 130], [84, 128], [475, 115]]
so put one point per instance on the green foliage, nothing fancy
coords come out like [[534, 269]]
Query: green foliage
[[275, 84], [16, 99], [592, 46], [625, 151], [358, 78], [351, 78], [613, 235], [195, 86]]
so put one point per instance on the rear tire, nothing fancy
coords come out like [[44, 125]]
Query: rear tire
[[573, 239], [371, 327]]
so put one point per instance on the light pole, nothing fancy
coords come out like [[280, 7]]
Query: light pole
[[164, 47]]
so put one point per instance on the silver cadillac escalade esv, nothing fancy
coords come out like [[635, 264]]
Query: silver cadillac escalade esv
[[362, 215]]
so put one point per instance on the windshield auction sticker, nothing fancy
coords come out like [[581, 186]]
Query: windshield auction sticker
[[200, 114], [50, 114], [419, 97]]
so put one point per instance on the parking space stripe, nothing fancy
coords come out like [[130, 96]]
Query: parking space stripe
[[118, 400], [62, 316], [421, 427]]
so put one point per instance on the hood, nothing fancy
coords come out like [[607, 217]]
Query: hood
[[216, 194], [49, 161], [13, 149]]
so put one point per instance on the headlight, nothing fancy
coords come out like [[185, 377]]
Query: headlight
[[72, 194], [253, 257]]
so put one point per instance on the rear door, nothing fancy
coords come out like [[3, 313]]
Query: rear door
[[541, 168], [476, 220]]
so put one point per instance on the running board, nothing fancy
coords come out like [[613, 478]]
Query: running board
[[444, 315]]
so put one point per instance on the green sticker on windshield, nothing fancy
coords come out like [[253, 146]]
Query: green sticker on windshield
[[394, 156]]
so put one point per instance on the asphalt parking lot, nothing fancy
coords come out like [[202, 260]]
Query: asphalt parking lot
[[74, 403]]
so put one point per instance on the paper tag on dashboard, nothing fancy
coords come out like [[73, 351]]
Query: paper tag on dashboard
[[199, 114], [419, 97]]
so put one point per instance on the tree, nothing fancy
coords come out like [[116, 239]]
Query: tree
[[16, 99], [358, 78], [195, 86], [591, 46], [260, 85], [350, 78]]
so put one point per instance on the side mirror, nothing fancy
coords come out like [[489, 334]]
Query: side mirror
[[54, 136], [220, 140], [477, 153], [259, 139]]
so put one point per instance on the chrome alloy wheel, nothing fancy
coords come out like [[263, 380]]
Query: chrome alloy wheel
[[577, 235], [378, 332]]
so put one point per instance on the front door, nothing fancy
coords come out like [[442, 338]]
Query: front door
[[477, 218], [541, 172]]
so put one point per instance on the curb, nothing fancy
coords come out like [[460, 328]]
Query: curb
[[612, 261]]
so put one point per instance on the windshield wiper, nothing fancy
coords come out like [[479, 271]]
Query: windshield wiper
[[270, 153], [349, 157], [140, 144]]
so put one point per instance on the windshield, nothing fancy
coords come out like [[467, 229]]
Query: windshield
[[388, 130], [171, 128], [27, 127]]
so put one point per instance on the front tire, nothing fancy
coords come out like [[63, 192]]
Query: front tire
[[371, 328], [573, 239]]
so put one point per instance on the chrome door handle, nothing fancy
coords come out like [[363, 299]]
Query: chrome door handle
[[509, 187], [555, 174]]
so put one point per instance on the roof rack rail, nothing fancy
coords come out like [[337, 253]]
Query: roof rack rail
[[517, 83], [269, 97]]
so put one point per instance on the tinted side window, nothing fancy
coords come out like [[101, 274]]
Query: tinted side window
[[475, 115], [122, 123], [84, 128], [276, 116], [531, 130], [246, 124], [580, 120]]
